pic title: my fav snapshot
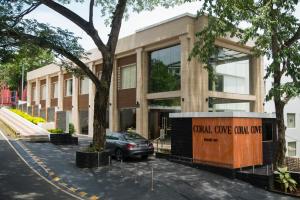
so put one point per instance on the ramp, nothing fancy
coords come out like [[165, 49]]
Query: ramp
[[25, 129]]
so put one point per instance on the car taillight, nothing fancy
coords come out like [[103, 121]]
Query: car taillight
[[130, 146], [150, 145]]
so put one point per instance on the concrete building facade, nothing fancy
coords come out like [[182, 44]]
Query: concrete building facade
[[153, 77]]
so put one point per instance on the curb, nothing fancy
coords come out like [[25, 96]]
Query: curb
[[40, 168]]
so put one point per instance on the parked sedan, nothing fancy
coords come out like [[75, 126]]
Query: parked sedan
[[128, 144]]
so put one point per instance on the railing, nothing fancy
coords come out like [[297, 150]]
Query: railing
[[162, 145]]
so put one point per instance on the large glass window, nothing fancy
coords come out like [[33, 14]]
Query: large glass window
[[164, 70], [128, 77], [291, 148], [127, 119], [231, 71], [84, 85], [54, 91], [43, 92], [33, 93], [291, 120], [68, 87]]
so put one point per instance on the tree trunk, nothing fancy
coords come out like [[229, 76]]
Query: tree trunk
[[281, 147], [101, 104]]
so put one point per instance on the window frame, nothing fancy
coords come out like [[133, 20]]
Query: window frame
[[80, 84], [66, 85], [287, 120], [52, 89], [288, 151], [44, 86]]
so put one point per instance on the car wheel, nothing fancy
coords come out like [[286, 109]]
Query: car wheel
[[144, 157], [119, 154]]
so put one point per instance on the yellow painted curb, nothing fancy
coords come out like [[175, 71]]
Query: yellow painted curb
[[82, 194], [94, 197], [56, 179]]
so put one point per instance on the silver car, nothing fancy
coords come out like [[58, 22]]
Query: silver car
[[128, 144]]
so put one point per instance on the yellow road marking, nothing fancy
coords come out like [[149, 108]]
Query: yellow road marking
[[82, 194], [94, 197]]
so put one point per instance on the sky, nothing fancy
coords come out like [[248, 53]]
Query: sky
[[136, 20]]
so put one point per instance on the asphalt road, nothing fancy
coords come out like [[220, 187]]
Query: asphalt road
[[18, 181]]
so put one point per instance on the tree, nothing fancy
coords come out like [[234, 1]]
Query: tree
[[273, 27], [28, 57], [15, 30]]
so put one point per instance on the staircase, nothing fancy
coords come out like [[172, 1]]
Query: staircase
[[22, 127]]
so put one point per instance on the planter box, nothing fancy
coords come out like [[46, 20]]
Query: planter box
[[91, 159], [63, 139]]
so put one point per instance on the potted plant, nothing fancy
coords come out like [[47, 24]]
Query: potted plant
[[58, 137], [90, 157]]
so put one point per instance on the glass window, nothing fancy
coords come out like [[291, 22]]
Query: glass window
[[33, 93], [291, 120], [127, 119], [291, 148], [128, 77], [164, 70], [231, 70], [68, 87], [54, 93], [84, 85], [43, 92]]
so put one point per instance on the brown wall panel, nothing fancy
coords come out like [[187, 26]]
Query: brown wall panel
[[43, 82], [127, 98], [54, 102], [98, 68], [67, 76], [227, 142], [32, 103], [126, 60], [67, 103], [83, 102], [54, 79], [43, 103]]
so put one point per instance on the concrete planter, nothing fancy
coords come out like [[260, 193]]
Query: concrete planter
[[91, 159], [63, 139]]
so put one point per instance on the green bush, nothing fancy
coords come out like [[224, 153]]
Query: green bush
[[30, 118], [71, 128], [56, 130], [285, 179]]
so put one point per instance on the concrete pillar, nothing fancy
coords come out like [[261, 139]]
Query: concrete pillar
[[92, 91], [113, 107], [48, 92], [257, 83], [29, 89], [60, 98], [75, 111], [194, 81], [141, 91]]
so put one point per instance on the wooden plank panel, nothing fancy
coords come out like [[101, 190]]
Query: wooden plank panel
[[54, 79], [67, 103], [43, 103], [127, 98], [83, 102], [54, 102]]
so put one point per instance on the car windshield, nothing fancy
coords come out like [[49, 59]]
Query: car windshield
[[132, 136]]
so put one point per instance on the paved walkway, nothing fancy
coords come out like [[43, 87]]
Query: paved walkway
[[132, 179], [18, 181]]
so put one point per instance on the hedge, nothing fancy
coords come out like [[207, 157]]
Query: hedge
[[30, 118]]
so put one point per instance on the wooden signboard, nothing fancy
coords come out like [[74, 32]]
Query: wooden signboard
[[227, 142]]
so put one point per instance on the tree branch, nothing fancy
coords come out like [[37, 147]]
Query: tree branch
[[19, 17], [116, 25], [79, 21], [293, 39], [91, 12]]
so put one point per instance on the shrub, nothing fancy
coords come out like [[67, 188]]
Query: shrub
[[56, 130], [285, 179], [30, 118], [71, 128]]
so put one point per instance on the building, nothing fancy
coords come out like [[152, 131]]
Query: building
[[152, 77], [292, 122]]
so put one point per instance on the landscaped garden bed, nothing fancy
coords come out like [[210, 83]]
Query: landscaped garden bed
[[34, 120], [58, 137]]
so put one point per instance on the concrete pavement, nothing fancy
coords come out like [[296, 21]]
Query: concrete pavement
[[18, 181]]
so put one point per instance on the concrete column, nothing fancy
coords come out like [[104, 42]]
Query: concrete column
[[113, 107], [48, 92], [37, 92], [92, 91], [29, 89], [194, 84], [257, 83], [75, 111], [141, 91], [60, 98]]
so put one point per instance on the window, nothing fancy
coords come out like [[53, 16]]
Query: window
[[128, 77], [54, 91], [43, 92], [68, 87], [291, 120], [231, 70], [84, 85], [291, 148], [164, 70]]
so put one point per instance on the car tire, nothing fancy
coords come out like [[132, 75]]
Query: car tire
[[119, 155], [144, 157]]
